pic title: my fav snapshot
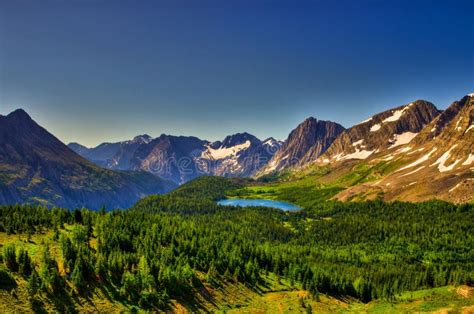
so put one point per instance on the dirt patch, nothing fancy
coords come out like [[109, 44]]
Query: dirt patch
[[465, 291]]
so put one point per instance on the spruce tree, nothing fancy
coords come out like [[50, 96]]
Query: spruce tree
[[77, 276], [34, 283], [9, 257]]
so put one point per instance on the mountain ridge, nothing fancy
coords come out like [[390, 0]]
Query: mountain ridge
[[182, 158], [390, 128], [309, 139], [36, 167]]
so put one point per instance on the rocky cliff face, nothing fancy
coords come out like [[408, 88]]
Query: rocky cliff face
[[36, 167], [382, 131], [305, 143]]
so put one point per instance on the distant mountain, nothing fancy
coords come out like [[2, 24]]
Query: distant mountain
[[170, 157], [239, 155], [384, 130], [305, 143], [36, 167], [115, 156], [182, 158]]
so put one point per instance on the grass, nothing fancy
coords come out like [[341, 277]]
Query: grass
[[310, 186], [428, 300], [298, 301], [303, 191]]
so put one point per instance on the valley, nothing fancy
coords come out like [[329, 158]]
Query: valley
[[383, 157], [183, 252], [374, 218], [263, 156]]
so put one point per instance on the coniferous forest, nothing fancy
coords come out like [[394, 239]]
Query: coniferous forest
[[166, 245]]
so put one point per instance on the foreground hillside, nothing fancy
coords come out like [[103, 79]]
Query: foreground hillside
[[181, 251]]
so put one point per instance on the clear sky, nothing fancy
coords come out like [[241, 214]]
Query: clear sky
[[98, 70]]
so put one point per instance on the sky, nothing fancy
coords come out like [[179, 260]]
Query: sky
[[92, 71]]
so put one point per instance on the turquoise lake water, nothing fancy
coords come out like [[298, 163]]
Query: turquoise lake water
[[259, 202]]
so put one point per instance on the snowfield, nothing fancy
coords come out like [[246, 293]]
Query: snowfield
[[222, 152], [397, 114], [402, 139]]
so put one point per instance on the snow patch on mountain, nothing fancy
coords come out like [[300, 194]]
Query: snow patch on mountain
[[397, 114], [469, 160], [375, 127], [358, 154], [469, 128], [419, 161], [365, 121], [359, 142], [402, 139], [458, 128], [412, 172], [441, 160], [404, 150], [271, 142], [224, 152]]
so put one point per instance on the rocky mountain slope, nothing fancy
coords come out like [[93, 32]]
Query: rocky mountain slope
[[36, 167], [382, 131], [437, 163], [170, 157], [115, 156], [411, 152], [182, 158], [305, 143], [239, 155]]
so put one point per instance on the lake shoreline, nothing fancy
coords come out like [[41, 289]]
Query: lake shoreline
[[259, 202]]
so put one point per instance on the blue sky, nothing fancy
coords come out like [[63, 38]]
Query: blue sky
[[98, 70]]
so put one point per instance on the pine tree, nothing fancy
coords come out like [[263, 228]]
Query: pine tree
[[9, 257], [100, 268], [24, 263], [34, 283], [77, 276], [144, 273]]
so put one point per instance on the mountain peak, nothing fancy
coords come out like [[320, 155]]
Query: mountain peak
[[307, 141], [309, 120], [142, 139], [271, 141], [238, 138], [19, 114], [384, 130]]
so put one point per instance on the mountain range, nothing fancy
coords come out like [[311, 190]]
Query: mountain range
[[38, 168], [182, 158], [411, 152]]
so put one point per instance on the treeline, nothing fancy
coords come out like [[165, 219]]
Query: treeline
[[161, 249]]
